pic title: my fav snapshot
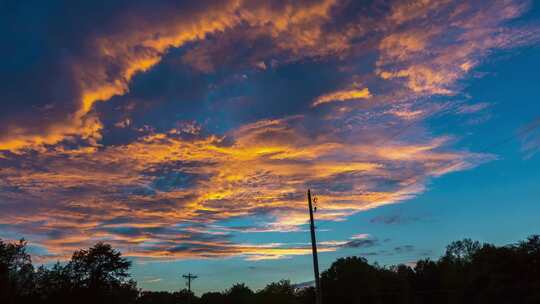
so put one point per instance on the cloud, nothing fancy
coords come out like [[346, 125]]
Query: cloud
[[107, 56], [530, 138], [405, 11], [422, 57], [360, 243], [473, 108], [102, 60], [360, 236], [393, 219], [130, 194], [152, 280], [345, 95], [404, 249], [164, 121]]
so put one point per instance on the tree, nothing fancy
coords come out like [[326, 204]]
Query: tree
[[16, 271], [342, 281], [156, 297], [55, 284], [462, 251], [277, 292], [453, 271], [306, 295], [427, 282], [239, 294], [213, 298], [184, 296], [467, 273], [531, 246], [100, 274], [99, 267]]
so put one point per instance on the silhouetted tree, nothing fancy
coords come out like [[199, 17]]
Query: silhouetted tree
[[156, 297], [305, 295], [100, 274], [16, 272], [461, 251], [55, 284], [468, 272], [239, 294], [350, 280], [99, 267], [282, 292], [213, 298]]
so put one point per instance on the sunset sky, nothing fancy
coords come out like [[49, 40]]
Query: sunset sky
[[186, 133]]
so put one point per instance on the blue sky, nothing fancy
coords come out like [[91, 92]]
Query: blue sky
[[187, 135]]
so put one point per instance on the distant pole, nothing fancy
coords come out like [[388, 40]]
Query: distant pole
[[189, 277], [318, 294]]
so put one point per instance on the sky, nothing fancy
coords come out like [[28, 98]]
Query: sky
[[186, 133]]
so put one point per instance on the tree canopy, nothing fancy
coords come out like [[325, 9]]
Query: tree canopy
[[468, 272]]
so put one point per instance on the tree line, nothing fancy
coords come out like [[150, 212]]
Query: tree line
[[468, 272]]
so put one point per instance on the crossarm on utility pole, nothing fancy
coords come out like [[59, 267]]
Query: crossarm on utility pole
[[189, 277]]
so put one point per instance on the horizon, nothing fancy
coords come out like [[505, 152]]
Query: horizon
[[465, 251], [187, 135]]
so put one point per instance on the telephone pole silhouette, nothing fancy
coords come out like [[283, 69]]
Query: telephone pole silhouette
[[189, 277], [318, 294]]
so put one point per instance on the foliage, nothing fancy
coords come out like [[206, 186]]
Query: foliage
[[16, 271], [468, 272], [95, 275]]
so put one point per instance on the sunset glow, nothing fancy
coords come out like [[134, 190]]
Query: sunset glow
[[182, 131]]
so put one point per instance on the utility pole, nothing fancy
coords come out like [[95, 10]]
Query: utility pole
[[318, 294], [189, 277]]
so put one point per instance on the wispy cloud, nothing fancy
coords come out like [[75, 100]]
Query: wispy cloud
[[344, 95], [530, 138], [152, 280], [472, 108], [394, 219]]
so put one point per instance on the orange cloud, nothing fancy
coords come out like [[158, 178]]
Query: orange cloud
[[405, 11], [264, 171], [303, 29], [138, 49], [422, 56], [344, 95], [165, 194]]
